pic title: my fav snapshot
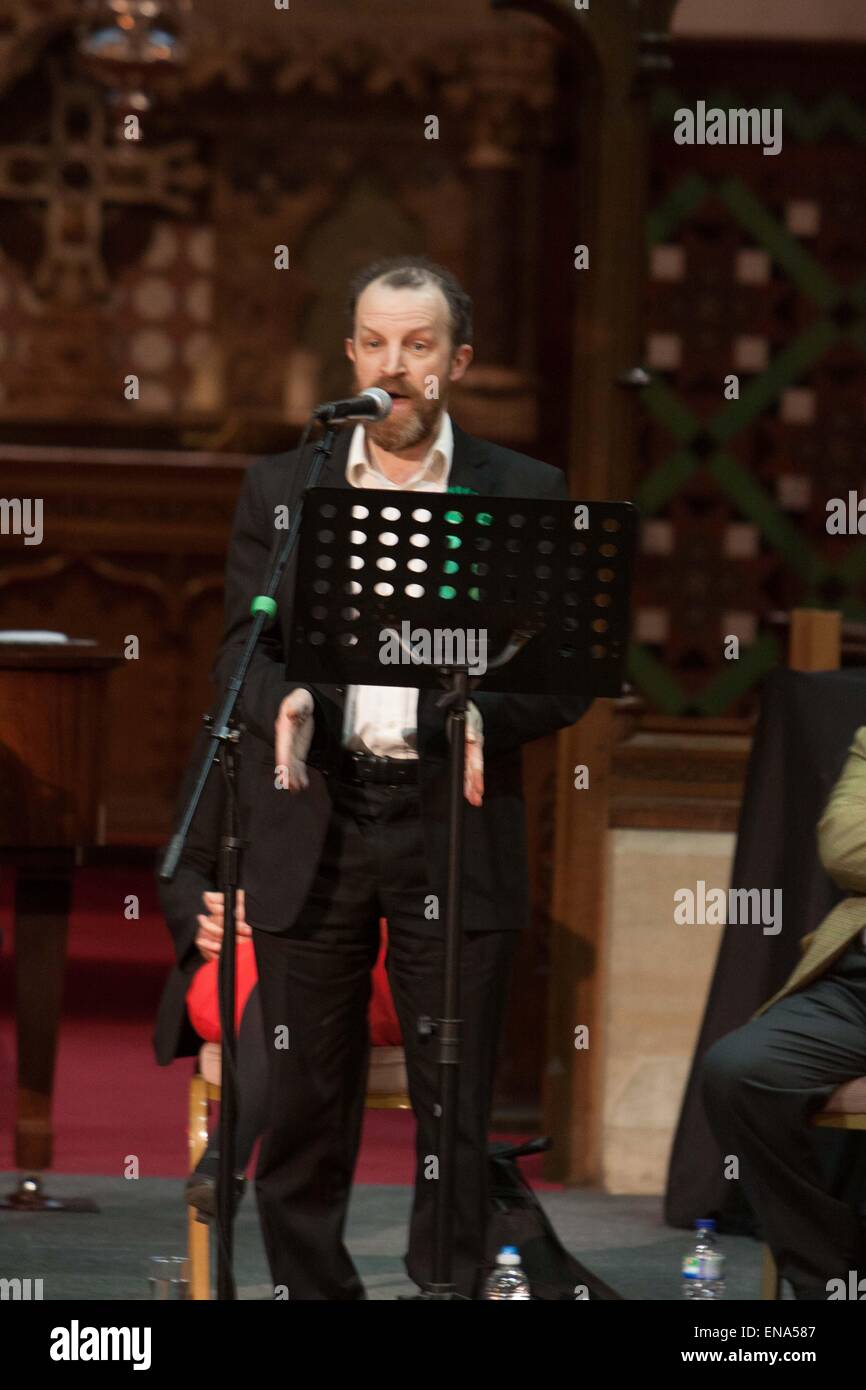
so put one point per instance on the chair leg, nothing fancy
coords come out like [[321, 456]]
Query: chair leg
[[770, 1281], [198, 1235]]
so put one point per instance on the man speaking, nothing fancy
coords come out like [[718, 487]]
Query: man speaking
[[352, 826]]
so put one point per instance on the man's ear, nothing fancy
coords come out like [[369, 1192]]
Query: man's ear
[[349, 345], [460, 361]]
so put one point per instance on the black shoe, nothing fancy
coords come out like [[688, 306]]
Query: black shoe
[[200, 1187]]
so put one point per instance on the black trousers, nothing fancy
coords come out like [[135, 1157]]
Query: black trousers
[[252, 1094], [314, 983], [761, 1085]]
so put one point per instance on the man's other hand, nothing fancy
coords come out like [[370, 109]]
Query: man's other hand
[[294, 734], [209, 937], [473, 766]]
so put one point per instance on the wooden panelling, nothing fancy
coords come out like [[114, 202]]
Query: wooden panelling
[[134, 547]]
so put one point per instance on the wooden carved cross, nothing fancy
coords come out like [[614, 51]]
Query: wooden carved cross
[[77, 174]]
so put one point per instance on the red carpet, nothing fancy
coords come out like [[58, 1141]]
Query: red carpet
[[111, 1099]]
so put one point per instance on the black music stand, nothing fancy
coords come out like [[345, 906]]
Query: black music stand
[[407, 588]]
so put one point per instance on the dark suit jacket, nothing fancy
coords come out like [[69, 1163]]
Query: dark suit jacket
[[286, 829]]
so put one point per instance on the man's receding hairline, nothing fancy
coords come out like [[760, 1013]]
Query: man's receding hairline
[[430, 283]]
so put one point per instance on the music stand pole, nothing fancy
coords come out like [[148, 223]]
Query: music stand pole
[[449, 1028]]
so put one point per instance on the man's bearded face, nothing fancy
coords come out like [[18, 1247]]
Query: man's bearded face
[[402, 344]]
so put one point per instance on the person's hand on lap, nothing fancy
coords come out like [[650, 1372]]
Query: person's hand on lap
[[209, 937]]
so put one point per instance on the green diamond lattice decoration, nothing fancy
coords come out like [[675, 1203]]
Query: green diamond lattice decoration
[[801, 355]]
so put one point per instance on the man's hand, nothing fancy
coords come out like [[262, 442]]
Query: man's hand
[[473, 767], [294, 734], [209, 937]]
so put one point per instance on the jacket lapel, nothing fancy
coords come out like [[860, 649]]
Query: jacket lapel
[[827, 943], [471, 464]]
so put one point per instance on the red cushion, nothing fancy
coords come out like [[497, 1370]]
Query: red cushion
[[202, 1000], [202, 997], [384, 1023]]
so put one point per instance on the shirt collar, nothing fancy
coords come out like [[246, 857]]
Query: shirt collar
[[434, 467]]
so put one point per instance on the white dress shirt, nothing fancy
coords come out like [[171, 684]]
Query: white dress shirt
[[383, 719]]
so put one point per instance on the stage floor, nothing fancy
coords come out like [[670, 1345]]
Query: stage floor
[[104, 1256]]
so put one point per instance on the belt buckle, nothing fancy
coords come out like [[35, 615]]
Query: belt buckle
[[382, 775], [368, 769], [376, 769]]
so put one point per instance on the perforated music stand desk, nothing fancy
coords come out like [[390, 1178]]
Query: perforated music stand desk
[[371, 560]]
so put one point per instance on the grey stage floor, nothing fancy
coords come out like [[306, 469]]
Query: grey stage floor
[[104, 1256]]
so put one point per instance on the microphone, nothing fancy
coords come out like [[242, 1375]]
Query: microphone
[[372, 404]]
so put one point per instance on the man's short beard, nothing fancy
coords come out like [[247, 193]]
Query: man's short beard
[[394, 434]]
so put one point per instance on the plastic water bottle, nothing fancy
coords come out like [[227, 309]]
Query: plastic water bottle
[[704, 1265], [507, 1280]]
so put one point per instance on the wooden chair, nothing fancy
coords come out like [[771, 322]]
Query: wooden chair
[[814, 639], [846, 1109], [387, 1089]]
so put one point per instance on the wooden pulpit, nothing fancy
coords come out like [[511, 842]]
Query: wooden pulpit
[[52, 727]]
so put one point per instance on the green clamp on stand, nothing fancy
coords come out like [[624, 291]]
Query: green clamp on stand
[[262, 604]]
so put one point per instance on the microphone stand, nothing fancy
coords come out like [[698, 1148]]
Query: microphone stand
[[226, 735]]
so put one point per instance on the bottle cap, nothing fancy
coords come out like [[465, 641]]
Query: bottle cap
[[508, 1255]]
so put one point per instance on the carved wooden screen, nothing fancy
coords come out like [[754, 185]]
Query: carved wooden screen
[[757, 269]]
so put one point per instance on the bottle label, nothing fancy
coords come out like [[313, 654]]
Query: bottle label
[[705, 1266]]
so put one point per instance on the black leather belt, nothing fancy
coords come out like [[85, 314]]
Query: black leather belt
[[385, 772]]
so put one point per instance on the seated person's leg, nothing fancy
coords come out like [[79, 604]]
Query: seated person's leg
[[762, 1084]]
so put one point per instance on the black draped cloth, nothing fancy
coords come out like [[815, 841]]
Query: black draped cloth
[[806, 726]]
